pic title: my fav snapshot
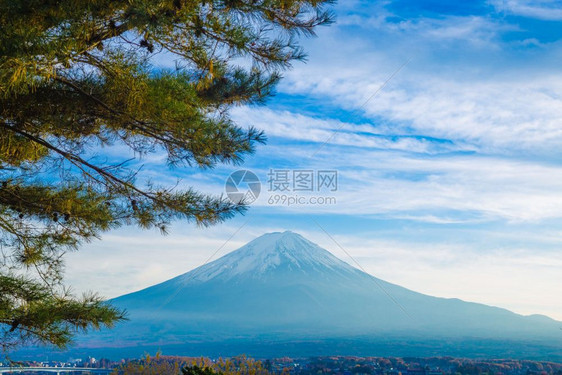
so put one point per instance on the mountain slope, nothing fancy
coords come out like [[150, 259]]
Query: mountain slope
[[281, 285]]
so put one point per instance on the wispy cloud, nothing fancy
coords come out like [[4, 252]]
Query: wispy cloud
[[541, 9]]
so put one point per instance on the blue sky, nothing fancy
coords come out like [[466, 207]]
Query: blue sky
[[449, 176]]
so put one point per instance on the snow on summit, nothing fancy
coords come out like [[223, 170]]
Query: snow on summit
[[272, 252]]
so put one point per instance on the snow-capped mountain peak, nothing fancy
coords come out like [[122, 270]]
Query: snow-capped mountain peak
[[272, 252], [282, 286]]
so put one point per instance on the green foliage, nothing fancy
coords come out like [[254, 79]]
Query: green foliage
[[196, 370], [150, 366], [240, 365], [77, 76], [34, 314]]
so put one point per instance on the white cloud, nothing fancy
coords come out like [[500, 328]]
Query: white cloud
[[409, 178], [477, 31], [495, 115], [294, 126], [540, 9], [464, 82]]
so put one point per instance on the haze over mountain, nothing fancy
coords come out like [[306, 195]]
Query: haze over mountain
[[283, 287]]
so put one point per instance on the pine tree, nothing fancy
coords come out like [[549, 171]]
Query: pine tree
[[80, 76]]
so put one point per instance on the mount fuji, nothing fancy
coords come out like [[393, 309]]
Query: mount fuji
[[283, 292]]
